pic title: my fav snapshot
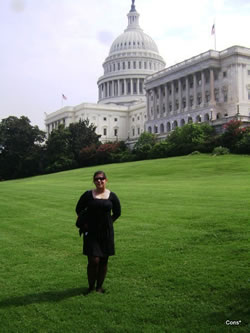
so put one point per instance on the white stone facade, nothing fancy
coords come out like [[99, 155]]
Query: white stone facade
[[137, 94], [211, 87], [112, 122], [121, 110]]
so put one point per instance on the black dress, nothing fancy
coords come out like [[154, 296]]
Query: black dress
[[99, 237]]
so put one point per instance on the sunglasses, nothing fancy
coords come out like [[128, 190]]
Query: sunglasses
[[99, 178]]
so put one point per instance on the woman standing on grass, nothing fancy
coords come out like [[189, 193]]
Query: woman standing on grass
[[102, 208]]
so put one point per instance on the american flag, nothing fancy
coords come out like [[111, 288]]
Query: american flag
[[213, 30]]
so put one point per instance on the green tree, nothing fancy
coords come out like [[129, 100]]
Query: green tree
[[59, 154], [82, 134], [64, 145], [184, 140], [243, 145], [21, 150], [144, 145], [233, 133]]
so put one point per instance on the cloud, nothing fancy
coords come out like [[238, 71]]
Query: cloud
[[17, 5], [105, 37]]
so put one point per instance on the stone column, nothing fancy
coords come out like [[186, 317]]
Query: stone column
[[195, 91], [125, 87], [105, 89], [180, 95], [172, 96], [154, 103], [203, 96], [212, 99], [131, 86], [160, 100], [118, 88], [166, 99], [148, 102], [138, 86], [187, 94]]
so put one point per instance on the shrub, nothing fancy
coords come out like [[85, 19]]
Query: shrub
[[196, 152], [220, 151]]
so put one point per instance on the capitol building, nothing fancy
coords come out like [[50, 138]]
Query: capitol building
[[137, 93]]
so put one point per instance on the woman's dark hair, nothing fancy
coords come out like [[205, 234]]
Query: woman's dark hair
[[99, 173]]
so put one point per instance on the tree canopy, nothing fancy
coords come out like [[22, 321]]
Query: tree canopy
[[20, 147]]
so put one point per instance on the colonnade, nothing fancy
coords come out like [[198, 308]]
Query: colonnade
[[121, 87], [183, 94]]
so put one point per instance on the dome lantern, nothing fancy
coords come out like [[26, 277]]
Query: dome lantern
[[132, 57], [133, 18]]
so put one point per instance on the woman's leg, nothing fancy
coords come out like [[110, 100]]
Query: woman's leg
[[102, 271], [92, 270]]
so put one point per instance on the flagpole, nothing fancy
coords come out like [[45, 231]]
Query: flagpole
[[214, 36], [214, 33]]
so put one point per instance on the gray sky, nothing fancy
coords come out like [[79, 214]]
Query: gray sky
[[50, 47]]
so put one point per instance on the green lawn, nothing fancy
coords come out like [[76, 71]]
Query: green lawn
[[182, 250]]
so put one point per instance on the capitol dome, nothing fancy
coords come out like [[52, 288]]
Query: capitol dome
[[133, 56], [133, 39]]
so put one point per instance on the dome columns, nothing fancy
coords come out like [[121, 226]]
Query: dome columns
[[121, 87]]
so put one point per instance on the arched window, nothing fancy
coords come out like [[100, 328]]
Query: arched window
[[162, 128], [198, 119], [149, 129], [168, 127], [175, 124], [182, 122], [206, 117]]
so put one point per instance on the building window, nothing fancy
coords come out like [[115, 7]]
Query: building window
[[191, 100], [134, 64], [128, 64], [224, 74], [113, 67], [133, 132], [225, 97], [176, 105], [138, 131], [141, 86], [115, 132], [115, 119], [145, 65], [104, 118], [118, 66], [105, 131], [129, 87], [134, 86], [139, 64], [123, 65]]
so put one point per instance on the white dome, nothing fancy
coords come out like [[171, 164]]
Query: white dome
[[132, 57], [133, 39]]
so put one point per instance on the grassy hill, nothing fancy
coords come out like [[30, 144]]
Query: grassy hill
[[182, 250]]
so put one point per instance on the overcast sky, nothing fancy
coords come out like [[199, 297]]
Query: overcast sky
[[50, 47]]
